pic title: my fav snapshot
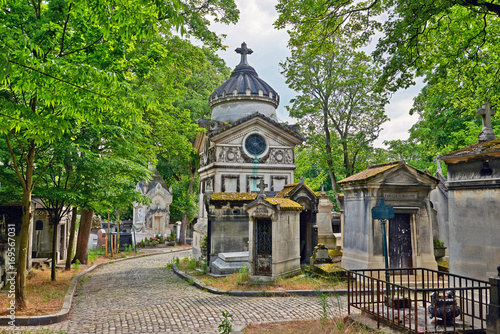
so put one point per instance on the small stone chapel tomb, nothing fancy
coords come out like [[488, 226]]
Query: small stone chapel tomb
[[409, 233], [274, 239]]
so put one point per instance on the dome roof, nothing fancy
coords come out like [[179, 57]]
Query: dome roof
[[244, 85]]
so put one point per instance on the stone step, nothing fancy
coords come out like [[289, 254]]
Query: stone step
[[234, 257], [220, 267]]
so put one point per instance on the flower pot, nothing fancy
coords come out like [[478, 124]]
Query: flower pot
[[439, 252], [171, 243]]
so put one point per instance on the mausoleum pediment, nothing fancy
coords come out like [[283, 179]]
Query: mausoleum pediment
[[279, 133]]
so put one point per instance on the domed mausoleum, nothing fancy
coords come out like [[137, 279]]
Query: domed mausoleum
[[243, 94], [245, 146]]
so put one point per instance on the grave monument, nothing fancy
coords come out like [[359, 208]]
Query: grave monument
[[404, 188], [474, 204]]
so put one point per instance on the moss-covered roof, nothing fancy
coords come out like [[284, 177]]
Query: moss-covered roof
[[285, 204], [480, 148], [289, 189], [371, 172], [233, 197]]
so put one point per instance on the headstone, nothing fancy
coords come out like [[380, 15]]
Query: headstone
[[101, 238], [320, 255]]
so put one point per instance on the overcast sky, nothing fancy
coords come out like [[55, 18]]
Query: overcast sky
[[269, 46]]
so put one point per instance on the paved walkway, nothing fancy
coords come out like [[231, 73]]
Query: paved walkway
[[143, 296]]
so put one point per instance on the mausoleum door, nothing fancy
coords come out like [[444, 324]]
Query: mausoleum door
[[264, 247], [305, 236], [400, 251]]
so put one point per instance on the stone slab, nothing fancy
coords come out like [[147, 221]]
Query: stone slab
[[234, 256]]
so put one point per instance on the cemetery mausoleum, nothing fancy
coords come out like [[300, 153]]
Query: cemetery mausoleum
[[245, 146], [410, 234]]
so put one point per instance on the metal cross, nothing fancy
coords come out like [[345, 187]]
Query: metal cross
[[243, 50], [262, 186]]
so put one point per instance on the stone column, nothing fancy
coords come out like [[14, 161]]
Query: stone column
[[324, 222], [493, 316]]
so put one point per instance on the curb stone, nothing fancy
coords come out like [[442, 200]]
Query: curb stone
[[237, 293], [64, 313]]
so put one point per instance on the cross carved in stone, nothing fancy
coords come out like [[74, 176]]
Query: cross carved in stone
[[244, 51], [486, 112], [262, 186]]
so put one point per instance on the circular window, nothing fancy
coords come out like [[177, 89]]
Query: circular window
[[255, 144]]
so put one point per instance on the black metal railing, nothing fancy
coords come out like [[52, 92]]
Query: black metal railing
[[416, 299]]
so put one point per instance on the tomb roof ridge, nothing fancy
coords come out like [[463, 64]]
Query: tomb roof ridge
[[289, 189], [233, 196], [285, 204], [484, 147], [372, 171]]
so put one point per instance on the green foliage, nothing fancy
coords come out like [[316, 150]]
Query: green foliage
[[225, 326], [203, 241], [438, 243], [416, 36], [76, 265], [323, 301], [242, 275]]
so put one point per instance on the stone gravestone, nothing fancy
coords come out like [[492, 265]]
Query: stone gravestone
[[324, 221], [320, 255], [101, 238]]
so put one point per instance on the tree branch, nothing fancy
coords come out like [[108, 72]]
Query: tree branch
[[64, 30], [60, 80]]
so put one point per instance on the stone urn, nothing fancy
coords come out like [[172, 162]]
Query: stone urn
[[439, 252], [445, 308]]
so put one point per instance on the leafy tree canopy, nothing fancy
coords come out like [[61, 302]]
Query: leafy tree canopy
[[418, 37]]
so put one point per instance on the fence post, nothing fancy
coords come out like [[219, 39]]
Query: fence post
[[493, 316]]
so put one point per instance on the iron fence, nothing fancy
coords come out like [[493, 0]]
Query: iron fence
[[420, 300]]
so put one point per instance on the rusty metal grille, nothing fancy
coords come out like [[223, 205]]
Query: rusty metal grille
[[404, 302]]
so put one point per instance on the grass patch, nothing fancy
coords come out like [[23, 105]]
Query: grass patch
[[316, 326], [239, 280]]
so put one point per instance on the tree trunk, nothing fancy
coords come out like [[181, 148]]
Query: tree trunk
[[329, 155], [55, 226], [25, 227], [71, 239], [182, 236], [23, 250], [82, 243]]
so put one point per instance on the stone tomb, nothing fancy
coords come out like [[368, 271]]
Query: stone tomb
[[409, 233], [274, 238], [474, 204]]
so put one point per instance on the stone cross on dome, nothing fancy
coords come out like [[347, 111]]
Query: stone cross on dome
[[486, 112], [244, 51]]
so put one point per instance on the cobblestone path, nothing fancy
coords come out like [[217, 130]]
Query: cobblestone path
[[143, 296]]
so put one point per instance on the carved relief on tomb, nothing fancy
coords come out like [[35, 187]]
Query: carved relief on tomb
[[238, 155], [281, 156], [230, 154]]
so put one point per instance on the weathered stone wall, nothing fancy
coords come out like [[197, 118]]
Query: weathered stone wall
[[286, 241], [474, 231], [228, 231]]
